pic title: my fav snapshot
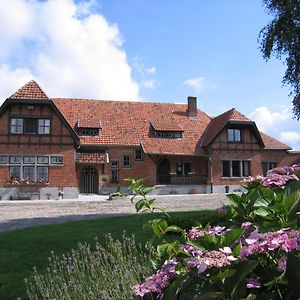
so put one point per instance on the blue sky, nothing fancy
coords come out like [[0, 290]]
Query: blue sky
[[149, 50]]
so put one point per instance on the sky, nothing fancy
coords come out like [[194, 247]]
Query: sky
[[161, 51]]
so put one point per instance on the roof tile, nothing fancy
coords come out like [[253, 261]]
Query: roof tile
[[30, 90]]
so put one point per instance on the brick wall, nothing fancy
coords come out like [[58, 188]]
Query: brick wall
[[59, 142], [256, 158]]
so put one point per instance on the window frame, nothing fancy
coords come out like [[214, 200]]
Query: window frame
[[242, 168], [46, 129], [56, 163], [234, 138], [138, 154], [30, 125], [16, 125], [168, 134], [4, 159], [183, 168], [126, 166]]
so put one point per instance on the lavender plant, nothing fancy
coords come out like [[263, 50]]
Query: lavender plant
[[255, 256], [107, 272]]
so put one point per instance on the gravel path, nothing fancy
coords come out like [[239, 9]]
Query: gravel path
[[21, 214]]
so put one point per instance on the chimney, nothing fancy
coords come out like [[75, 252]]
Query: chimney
[[192, 107]]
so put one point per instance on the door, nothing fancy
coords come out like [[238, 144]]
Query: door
[[89, 180], [163, 172]]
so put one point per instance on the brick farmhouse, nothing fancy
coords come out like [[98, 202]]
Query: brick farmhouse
[[49, 145]]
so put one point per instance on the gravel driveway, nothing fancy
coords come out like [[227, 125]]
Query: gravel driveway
[[21, 214]]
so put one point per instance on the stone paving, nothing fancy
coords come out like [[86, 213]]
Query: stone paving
[[20, 214]]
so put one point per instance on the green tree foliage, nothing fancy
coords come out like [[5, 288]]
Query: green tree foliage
[[281, 37]]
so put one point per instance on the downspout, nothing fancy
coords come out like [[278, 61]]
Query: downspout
[[211, 174]]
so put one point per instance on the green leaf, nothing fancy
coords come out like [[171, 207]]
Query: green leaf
[[243, 269], [261, 212], [231, 236], [159, 226], [225, 274], [174, 228], [291, 187], [235, 199], [139, 205], [236, 251], [292, 203]]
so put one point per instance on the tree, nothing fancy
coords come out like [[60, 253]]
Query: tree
[[281, 37]]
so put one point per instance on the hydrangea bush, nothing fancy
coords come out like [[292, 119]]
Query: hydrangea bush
[[255, 256]]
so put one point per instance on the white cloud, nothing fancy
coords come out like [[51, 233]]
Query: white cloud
[[68, 49], [143, 73], [291, 137], [150, 84], [151, 70], [198, 84], [266, 119]]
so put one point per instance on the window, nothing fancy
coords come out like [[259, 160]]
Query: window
[[16, 125], [234, 135], [267, 166], [29, 159], [183, 169], [114, 175], [226, 168], [89, 131], [42, 174], [168, 134], [138, 154], [15, 172], [114, 164], [30, 126], [15, 159], [43, 126], [236, 168], [56, 160], [28, 173], [43, 160], [126, 161], [3, 159]]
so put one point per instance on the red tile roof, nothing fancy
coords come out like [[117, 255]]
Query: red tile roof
[[127, 123], [166, 125], [91, 158], [30, 90], [271, 143], [218, 123], [89, 122]]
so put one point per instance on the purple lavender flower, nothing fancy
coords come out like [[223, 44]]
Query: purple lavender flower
[[253, 283]]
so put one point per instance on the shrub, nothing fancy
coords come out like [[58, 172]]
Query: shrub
[[255, 255], [106, 272]]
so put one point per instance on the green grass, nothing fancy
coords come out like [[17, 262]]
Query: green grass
[[22, 249]]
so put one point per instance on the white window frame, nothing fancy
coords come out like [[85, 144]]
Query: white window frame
[[234, 136]]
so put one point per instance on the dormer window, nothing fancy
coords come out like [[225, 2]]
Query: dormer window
[[234, 135], [168, 134], [89, 131], [166, 130], [88, 126]]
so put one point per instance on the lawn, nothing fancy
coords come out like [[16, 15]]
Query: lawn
[[21, 250]]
